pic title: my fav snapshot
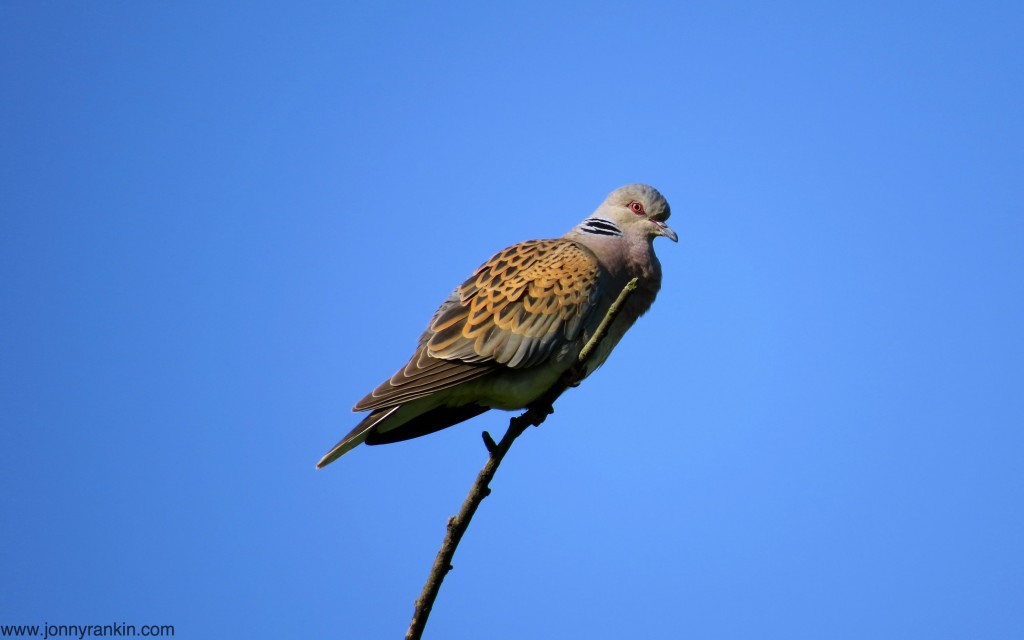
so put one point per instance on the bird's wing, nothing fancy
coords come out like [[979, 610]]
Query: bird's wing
[[517, 310]]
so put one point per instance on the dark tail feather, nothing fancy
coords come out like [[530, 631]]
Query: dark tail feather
[[421, 425]]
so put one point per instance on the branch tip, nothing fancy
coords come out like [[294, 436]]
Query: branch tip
[[489, 442]]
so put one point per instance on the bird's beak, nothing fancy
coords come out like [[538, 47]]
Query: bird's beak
[[665, 230]]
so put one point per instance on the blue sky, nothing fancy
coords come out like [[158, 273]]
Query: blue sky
[[223, 224]]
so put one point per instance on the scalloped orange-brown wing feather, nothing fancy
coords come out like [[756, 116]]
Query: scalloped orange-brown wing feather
[[516, 310], [518, 306]]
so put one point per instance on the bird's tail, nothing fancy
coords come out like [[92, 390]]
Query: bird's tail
[[356, 436]]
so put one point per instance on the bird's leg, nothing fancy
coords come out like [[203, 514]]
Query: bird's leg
[[574, 375], [541, 408], [538, 413]]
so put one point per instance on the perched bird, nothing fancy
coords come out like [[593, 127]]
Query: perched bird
[[506, 335]]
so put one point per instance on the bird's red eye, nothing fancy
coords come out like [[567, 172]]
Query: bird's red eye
[[636, 208]]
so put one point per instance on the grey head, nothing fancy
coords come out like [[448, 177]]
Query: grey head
[[634, 212]]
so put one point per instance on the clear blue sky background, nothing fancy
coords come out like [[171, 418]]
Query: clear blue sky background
[[223, 223]]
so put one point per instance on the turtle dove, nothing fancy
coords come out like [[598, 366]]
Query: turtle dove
[[507, 334]]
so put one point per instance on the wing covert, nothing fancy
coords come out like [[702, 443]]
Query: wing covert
[[519, 306], [516, 310]]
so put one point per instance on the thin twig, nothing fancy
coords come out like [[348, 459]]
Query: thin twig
[[534, 415]]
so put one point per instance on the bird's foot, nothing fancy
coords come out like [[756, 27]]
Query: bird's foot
[[536, 415], [574, 375]]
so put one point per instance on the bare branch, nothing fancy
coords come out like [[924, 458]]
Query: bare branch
[[535, 414]]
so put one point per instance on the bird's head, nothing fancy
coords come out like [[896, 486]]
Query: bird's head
[[638, 210]]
